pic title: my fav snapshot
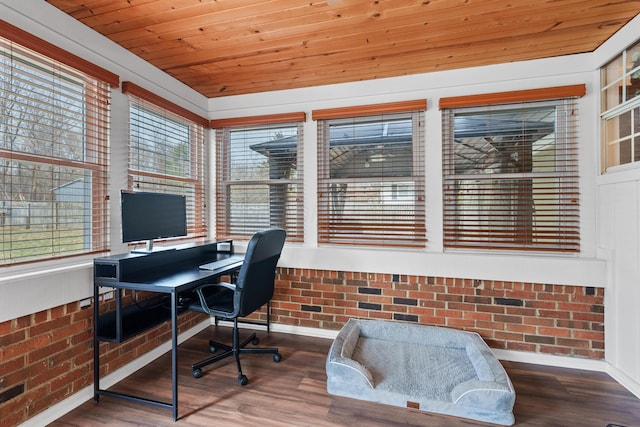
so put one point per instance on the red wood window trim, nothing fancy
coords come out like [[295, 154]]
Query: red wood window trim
[[259, 120], [556, 92], [43, 47], [130, 88], [365, 110]]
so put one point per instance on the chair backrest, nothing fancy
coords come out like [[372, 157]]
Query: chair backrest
[[255, 282]]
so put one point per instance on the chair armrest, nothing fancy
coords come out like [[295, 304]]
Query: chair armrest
[[203, 299]]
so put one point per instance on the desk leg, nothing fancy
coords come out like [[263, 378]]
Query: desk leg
[[96, 345], [174, 353]]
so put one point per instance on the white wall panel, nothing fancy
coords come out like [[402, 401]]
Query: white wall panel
[[625, 273]]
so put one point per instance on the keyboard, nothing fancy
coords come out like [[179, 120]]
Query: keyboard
[[223, 263]]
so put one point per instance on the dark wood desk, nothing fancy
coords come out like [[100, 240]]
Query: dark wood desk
[[168, 273]]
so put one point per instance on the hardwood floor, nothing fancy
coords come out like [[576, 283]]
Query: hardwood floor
[[293, 393]]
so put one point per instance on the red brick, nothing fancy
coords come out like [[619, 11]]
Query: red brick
[[477, 316], [21, 322], [12, 365], [507, 319], [45, 373], [461, 306], [448, 313], [588, 335], [460, 323], [553, 297], [539, 321], [574, 307], [555, 350], [555, 332], [589, 317], [380, 315], [520, 346], [526, 329], [508, 336], [591, 354], [435, 320], [520, 311], [573, 343], [43, 353], [550, 305], [6, 327], [491, 308], [11, 338], [555, 314], [494, 326], [13, 418], [522, 295], [25, 346]]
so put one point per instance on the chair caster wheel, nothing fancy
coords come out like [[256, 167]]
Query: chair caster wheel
[[277, 357], [255, 341], [197, 373], [243, 380], [212, 349]]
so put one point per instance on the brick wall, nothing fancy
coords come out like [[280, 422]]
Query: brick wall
[[535, 317], [46, 357]]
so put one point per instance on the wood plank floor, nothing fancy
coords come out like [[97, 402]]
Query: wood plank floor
[[293, 393]]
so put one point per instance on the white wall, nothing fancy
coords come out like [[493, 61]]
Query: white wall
[[32, 288]]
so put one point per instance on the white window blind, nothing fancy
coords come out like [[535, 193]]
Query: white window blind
[[371, 177], [166, 155], [54, 124], [511, 177], [260, 174]]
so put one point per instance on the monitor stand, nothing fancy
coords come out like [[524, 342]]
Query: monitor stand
[[150, 249]]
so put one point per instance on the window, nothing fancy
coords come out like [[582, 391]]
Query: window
[[371, 175], [53, 152], [166, 153], [620, 88], [259, 169], [511, 176]]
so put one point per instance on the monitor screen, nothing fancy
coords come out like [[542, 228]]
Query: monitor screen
[[148, 216]]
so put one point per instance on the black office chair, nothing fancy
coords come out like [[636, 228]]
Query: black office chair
[[252, 290]]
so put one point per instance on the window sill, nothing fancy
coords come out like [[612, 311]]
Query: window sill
[[44, 268], [623, 173]]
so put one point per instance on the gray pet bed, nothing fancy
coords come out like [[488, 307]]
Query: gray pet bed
[[433, 369]]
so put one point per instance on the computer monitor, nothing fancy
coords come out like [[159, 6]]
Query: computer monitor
[[148, 216]]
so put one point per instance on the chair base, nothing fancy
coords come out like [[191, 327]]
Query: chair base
[[235, 350]]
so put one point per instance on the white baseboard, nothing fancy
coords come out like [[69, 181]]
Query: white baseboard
[[630, 384], [287, 329], [56, 411], [551, 360]]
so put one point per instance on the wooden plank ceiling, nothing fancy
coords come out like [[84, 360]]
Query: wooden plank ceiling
[[231, 47]]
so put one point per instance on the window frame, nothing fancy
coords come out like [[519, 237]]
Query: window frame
[[565, 172], [93, 85], [369, 229], [293, 217], [612, 117], [193, 183]]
